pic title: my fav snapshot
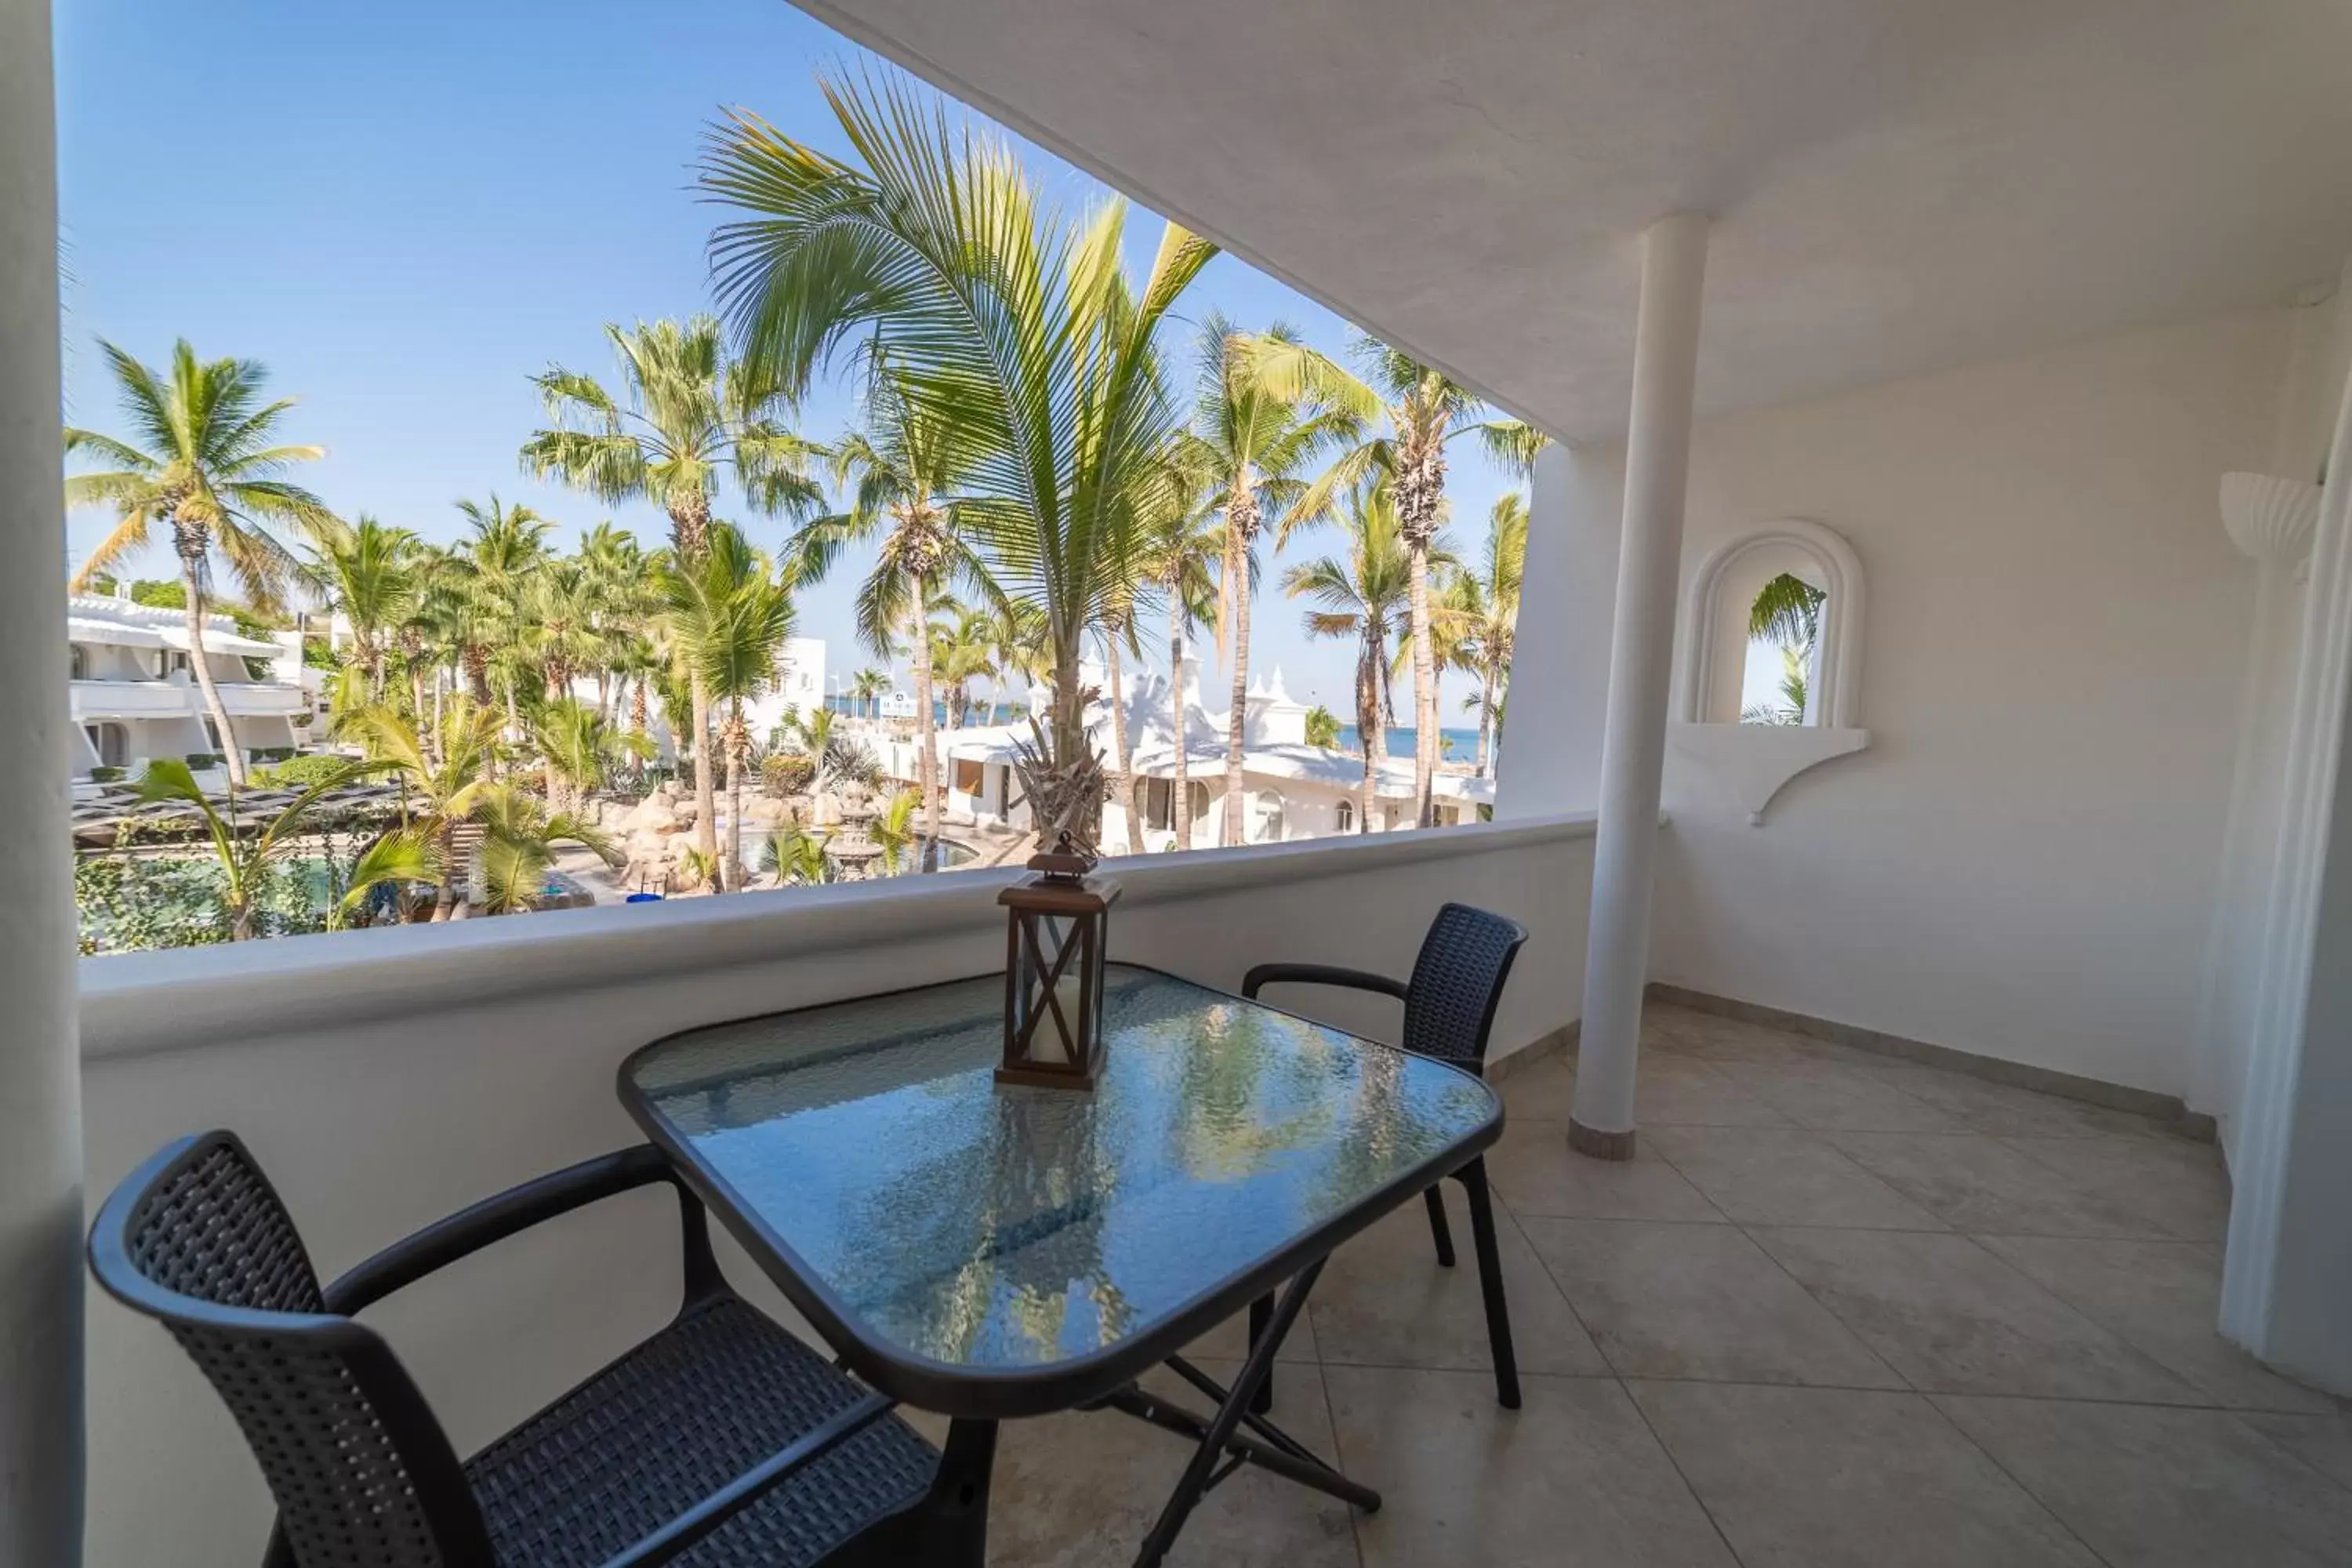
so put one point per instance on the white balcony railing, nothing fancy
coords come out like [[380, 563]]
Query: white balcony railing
[[385, 1077], [262, 701], [95, 699]]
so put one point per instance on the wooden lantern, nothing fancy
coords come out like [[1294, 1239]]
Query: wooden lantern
[[1056, 942]]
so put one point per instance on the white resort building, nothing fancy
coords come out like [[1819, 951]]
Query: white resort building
[[1291, 790], [135, 692]]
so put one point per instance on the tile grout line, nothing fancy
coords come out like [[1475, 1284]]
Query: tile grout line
[[1618, 1378], [1913, 1390], [2017, 1480], [1332, 1414]]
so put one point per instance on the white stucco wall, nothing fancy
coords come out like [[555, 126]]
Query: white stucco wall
[[2022, 863]]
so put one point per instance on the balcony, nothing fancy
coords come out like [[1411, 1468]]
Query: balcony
[[1832, 1270], [1988, 1069], [262, 699], [96, 699], [492, 1044]]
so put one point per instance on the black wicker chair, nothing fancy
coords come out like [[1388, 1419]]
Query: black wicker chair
[[722, 1441], [1449, 1010]]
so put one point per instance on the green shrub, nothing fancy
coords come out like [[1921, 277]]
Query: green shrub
[[199, 761], [786, 774], [301, 773], [104, 776]]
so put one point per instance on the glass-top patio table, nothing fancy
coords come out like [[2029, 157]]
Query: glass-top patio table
[[991, 1251]]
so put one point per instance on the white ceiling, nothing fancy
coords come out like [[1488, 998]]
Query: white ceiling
[[1901, 186]]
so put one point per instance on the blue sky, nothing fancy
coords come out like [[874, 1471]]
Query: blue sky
[[406, 211]]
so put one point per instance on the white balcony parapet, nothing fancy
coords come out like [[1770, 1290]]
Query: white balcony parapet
[[263, 700], [390, 1077], [93, 699], [142, 1001]]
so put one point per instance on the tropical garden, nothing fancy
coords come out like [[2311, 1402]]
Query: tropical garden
[[1055, 469]]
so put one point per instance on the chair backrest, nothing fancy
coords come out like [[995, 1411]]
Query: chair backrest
[[363, 1476], [1458, 983]]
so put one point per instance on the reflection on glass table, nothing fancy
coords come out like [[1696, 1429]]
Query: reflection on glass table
[[990, 1251]]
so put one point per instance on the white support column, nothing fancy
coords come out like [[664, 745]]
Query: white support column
[[2286, 1276], [1640, 667], [40, 1072]]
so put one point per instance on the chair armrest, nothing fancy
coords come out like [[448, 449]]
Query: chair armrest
[[493, 1219], [1266, 975], [689, 1529]]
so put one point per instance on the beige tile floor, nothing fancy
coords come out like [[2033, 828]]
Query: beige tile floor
[[1843, 1309]]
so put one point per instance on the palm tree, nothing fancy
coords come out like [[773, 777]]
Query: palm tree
[[868, 686], [687, 415], [901, 470], [893, 828], [581, 747], [445, 785], [1791, 708], [728, 618], [1322, 727], [962, 651], [1425, 410], [1480, 607], [366, 573], [1017, 651], [835, 760], [1788, 611], [205, 458], [1181, 556], [491, 575], [1362, 595], [797, 858], [245, 857], [1254, 437], [618, 582], [1024, 337], [562, 616]]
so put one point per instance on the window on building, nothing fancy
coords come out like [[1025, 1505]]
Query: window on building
[[1345, 816], [78, 662], [1200, 793], [1267, 809], [1159, 795], [112, 743], [967, 778]]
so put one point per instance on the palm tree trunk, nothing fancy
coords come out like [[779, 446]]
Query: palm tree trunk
[[1237, 720], [1486, 717], [1123, 786], [1369, 736], [732, 870], [1424, 687], [445, 900], [1180, 808], [192, 582], [706, 796], [927, 761]]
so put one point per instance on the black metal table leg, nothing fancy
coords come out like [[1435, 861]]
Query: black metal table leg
[[1220, 1435], [1260, 1314]]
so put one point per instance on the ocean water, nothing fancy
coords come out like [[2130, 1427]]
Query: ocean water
[[1455, 745], [1460, 745]]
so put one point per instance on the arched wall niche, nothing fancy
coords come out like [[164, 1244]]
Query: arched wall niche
[[1755, 761], [1715, 622]]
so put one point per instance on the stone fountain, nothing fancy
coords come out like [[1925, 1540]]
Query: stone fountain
[[853, 849]]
